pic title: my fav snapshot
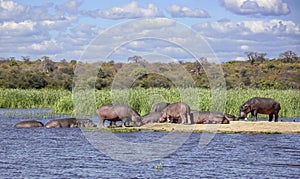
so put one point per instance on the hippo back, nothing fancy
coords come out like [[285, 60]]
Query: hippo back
[[159, 107]]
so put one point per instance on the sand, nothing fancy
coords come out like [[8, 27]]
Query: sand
[[264, 127], [233, 127]]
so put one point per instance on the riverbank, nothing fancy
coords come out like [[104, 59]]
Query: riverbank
[[259, 127]]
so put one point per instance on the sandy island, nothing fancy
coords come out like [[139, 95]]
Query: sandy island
[[264, 127]]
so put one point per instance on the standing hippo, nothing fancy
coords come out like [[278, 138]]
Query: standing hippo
[[118, 112], [262, 106], [152, 117], [158, 107], [28, 124], [62, 123], [85, 123], [208, 117], [176, 112]]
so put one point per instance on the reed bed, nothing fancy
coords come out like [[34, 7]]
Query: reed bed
[[141, 99]]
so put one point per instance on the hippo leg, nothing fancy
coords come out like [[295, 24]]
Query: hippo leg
[[270, 117], [225, 121], [189, 120], [254, 114], [124, 120], [102, 123], [276, 117]]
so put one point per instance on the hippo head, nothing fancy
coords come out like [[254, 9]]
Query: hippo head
[[162, 119], [137, 123], [244, 110]]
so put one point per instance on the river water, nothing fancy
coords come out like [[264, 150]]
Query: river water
[[67, 153]]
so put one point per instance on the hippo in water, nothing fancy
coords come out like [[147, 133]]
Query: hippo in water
[[152, 117], [209, 117], [176, 112], [262, 106], [29, 124], [158, 107], [62, 123], [118, 112], [85, 123]]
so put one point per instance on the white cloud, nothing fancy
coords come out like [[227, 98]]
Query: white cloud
[[253, 7], [26, 29], [249, 27], [57, 24], [70, 6], [229, 38], [9, 10], [240, 59], [10, 28], [128, 11], [244, 47], [43, 48], [182, 11]]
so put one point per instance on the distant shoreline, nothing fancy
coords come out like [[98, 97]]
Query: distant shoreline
[[247, 127]]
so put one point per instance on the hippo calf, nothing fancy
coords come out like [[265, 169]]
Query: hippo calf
[[118, 112], [262, 106], [152, 117], [176, 113], [29, 124], [62, 123], [208, 117]]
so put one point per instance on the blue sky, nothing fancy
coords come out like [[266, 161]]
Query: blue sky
[[66, 29]]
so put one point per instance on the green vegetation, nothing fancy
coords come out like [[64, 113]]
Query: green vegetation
[[281, 73], [142, 99], [43, 83]]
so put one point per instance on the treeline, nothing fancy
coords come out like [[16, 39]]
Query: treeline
[[281, 73]]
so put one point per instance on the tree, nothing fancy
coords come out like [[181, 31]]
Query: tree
[[255, 56], [260, 56], [196, 68], [26, 59], [135, 59], [13, 61], [48, 65], [288, 56]]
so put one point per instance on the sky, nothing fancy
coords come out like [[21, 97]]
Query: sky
[[177, 29]]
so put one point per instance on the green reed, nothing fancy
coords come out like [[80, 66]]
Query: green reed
[[141, 99]]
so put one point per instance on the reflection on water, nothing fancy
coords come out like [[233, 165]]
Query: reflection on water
[[65, 153]]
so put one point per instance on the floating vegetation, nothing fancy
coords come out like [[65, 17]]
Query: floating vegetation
[[159, 166]]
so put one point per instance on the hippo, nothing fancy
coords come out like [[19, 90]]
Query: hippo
[[85, 123], [29, 124], [158, 107], [230, 117], [262, 106], [208, 117], [152, 117], [118, 112], [176, 113], [62, 123]]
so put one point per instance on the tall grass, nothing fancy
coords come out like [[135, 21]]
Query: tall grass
[[141, 100], [30, 98]]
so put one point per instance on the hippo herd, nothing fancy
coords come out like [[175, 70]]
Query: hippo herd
[[178, 112], [57, 123]]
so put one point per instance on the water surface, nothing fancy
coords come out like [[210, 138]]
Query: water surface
[[66, 153]]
